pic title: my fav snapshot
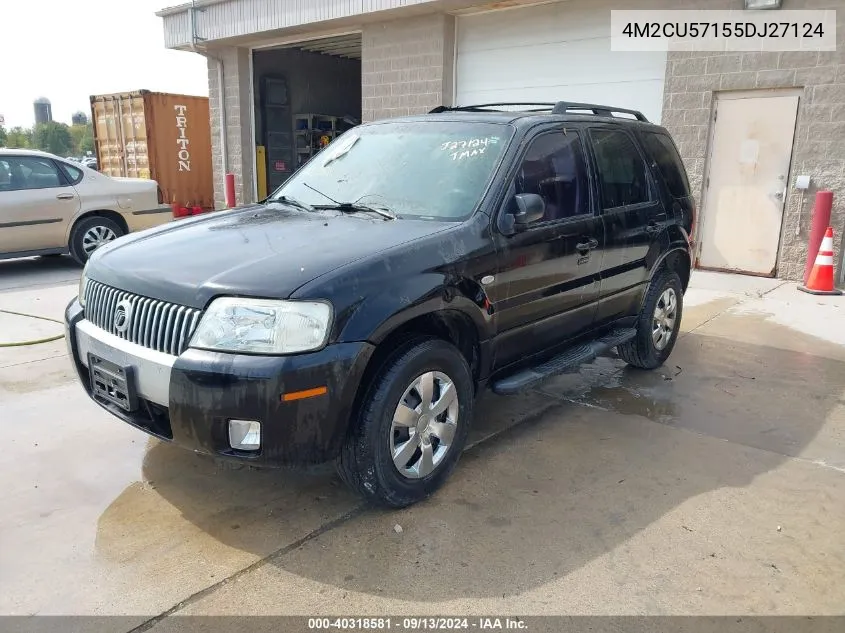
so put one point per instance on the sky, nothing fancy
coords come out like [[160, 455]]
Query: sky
[[67, 50]]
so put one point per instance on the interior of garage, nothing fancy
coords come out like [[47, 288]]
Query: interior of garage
[[305, 94]]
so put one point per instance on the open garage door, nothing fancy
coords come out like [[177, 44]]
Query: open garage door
[[554, 52], [306, 94]]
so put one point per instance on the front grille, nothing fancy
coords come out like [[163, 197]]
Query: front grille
[[159, 325]]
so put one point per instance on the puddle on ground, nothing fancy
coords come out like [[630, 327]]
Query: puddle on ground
[[609, 384], [738, 363]]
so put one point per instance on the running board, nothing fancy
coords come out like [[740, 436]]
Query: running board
[[564, 362]]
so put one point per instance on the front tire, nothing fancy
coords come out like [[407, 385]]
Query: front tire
[[90, 234], [658, 325], [412, 425]]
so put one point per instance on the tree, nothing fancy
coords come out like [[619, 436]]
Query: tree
[[19, 138], [87, 143], [2, 136], [53, 137], [83, 139]]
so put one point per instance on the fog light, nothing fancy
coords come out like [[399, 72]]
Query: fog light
[[244, 435]]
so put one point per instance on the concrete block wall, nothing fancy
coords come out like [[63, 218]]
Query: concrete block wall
[[693, 80], [238, 142], [407, 66]]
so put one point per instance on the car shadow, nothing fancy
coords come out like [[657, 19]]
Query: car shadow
[[566, 474]]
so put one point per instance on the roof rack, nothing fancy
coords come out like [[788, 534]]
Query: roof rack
[[492, 107], [561, 107]]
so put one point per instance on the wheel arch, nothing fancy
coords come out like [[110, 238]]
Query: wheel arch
[[102, 213], [450, 325], [678, 260]]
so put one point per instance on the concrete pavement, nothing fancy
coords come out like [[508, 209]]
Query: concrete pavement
[[714, 485]]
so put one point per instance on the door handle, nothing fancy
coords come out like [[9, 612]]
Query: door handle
[[653, 227], [589, 245], [64, 196]]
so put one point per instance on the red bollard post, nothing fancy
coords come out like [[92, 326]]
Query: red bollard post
[[230, 192], [820, 222]]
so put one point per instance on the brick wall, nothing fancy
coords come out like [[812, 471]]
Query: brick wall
[[692, 79], [238, 142], [407, 66]]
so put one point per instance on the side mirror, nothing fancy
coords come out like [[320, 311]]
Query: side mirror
[[530, 208]]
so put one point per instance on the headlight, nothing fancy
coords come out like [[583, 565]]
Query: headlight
[[263, 326], [83, 282]]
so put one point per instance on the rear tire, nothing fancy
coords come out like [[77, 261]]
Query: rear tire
[[658, 324], [91, 233], [412, 425]]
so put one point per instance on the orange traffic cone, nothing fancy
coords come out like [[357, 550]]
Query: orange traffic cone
[[820, 281]]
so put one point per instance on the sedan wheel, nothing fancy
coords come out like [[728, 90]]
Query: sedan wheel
[[95, 237], [90, 233]]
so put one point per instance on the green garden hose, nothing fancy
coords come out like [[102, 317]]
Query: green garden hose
[[49, 339]]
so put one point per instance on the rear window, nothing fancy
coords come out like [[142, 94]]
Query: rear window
[[662, 150], [73, 174], [622, 172]]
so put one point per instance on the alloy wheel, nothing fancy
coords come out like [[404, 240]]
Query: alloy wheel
[[424, 425], [665, 315]]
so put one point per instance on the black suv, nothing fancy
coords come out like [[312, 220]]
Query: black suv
[[356, 314]]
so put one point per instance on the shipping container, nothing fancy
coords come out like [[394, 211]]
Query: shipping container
[[163, 137]]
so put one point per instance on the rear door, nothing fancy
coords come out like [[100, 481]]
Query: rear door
[[550, 269], [633, 219], [36, 203], [668, 168]]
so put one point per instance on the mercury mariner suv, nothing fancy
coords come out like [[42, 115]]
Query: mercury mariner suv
[[357, 313]]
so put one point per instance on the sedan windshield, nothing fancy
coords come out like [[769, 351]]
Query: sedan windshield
[[437, 170]]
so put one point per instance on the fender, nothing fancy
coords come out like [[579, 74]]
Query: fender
[[674, 247], [376, 316]]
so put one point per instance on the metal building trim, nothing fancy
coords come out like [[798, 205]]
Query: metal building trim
[[227, 19]]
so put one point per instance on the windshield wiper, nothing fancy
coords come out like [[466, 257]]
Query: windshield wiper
[[293, 202], [350, 207]]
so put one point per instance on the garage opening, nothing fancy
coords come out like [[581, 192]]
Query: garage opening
[[306, 94]]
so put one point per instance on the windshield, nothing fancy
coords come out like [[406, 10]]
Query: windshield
[[437, 170]]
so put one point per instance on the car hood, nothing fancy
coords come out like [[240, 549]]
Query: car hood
[[260, 251]]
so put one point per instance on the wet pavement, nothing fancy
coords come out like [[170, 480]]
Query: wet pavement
[[714, 485]]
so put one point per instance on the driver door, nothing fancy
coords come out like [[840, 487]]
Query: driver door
[[550, 268]]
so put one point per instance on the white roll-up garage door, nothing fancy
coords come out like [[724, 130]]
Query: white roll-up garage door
[[554, 52]]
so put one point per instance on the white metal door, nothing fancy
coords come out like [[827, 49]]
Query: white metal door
[[554, 52], [748, 172]]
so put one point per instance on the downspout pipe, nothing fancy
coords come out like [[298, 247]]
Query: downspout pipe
[[220, 85]]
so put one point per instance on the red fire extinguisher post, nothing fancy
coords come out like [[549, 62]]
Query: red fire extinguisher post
[[230, 191], [820, 222]]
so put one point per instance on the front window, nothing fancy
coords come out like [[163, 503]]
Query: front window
[[421, 170], [555, 169], [28, 172]]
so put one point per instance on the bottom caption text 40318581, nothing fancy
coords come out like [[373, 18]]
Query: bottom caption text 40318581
[[417, 624]]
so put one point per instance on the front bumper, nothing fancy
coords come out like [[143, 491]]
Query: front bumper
[[189, 399]]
